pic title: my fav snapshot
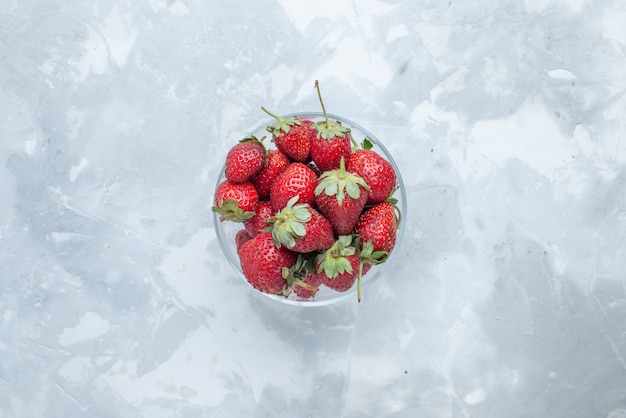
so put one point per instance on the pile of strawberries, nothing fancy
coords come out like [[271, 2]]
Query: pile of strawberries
[[316, 211]]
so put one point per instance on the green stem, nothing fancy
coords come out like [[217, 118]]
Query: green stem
[[355, 145], [342, 168], [398, 215], [319, 94], [358, 283], [271, 114]]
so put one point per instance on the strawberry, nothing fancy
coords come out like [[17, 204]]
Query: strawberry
[[235, 201], [338, 266], [377, 172], [308, 286], [262, 263], [301, 277], [332, 141], [301, 228], [297, 180], [244, 160], [341, 196], [257, 223], [276, 163], [292, 136], [326, 153], [241, 237], [378, 225]]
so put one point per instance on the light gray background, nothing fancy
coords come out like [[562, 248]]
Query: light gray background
[[507, 297]]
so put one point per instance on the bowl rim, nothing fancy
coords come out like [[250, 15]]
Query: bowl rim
[[340, 296]]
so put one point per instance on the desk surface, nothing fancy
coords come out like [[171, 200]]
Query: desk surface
[[507, 296]]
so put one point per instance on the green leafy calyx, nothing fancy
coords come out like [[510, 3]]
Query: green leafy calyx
[[288, 224], [340, 182], [367, 144], [253, 138], [368, 255], [229, 210], [281, 124], [334, 261], [302, 268]]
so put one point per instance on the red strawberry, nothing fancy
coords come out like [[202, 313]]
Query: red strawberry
[[301, 228], [332, 142], [276, 163], [339, 265], [262, 263], [378, 225], [241, 237], [377, 172], [326, 153], [301, 277], [235, 201], [257, 224], [292, 136], [297, 180], [341, 196], [244, 160], [308, 287]]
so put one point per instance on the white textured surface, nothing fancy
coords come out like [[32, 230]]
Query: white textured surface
[[507, 297]]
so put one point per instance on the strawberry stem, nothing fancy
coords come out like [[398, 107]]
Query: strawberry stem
[[319, 94], [396, 209], [328, 129], [355, 145], [281, 124], [358, 282], [271, 114]]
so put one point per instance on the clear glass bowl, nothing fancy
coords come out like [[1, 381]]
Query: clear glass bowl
[[226, 230]]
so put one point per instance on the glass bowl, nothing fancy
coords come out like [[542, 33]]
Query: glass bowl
[[226, 230]]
